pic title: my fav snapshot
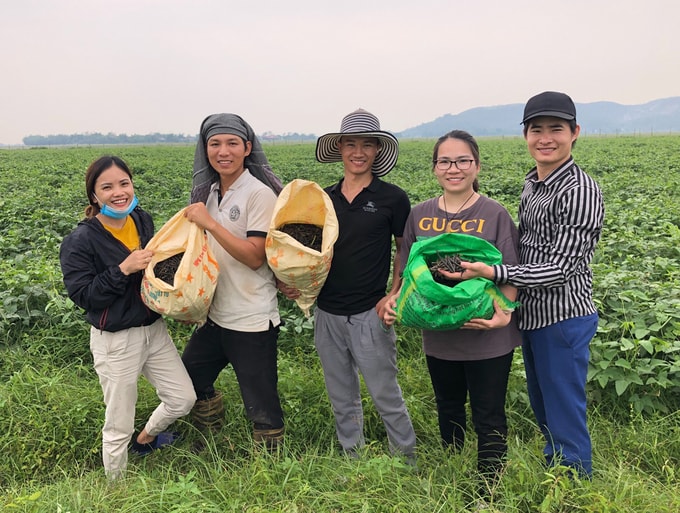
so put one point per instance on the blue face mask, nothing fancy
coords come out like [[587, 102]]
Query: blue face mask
[[118, 214]]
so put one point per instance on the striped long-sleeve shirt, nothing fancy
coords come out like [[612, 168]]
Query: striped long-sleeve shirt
[[560, 222]]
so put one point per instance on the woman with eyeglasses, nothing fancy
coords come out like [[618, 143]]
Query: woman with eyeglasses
[[474, 360]]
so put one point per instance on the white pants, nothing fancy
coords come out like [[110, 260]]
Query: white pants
[[119, 359]]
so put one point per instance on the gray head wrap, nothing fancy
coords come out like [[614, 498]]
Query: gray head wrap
[[257, 163]]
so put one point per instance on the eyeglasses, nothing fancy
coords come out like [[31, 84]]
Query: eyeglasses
[[445, 164]]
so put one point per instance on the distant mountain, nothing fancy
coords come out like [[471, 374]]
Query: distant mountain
[[657, 116]]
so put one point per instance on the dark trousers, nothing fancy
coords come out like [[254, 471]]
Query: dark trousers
[[252, 355], [486, 382]]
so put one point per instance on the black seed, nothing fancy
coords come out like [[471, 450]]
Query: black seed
[[450, 263], [308, 235], [166, 269]]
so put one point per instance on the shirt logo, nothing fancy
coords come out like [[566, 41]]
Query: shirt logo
[[437, 224], [234, 213], [370, 207]]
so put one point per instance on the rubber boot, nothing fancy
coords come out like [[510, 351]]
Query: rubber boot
[[270, 437], [208, 414]]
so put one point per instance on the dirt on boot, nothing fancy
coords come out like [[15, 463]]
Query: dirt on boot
[[271, 438]]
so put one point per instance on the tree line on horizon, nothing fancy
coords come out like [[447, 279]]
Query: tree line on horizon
[[110, 138]]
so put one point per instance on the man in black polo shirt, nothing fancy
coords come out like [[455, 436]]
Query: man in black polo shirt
[[348, 332], [561, 213]]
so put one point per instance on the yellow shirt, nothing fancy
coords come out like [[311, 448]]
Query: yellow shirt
[[128, 234]]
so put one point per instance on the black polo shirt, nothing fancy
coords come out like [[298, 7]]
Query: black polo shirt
[[362, 255]]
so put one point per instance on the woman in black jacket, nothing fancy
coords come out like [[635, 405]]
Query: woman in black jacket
[[103, 261]]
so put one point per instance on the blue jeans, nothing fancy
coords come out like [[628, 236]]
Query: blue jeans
[[556, 363]]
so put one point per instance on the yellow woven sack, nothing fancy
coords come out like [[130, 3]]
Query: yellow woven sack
[[189, 297], [295, 264]]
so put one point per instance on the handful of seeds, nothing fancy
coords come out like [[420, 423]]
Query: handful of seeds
[[308, 235], [166, 269], [450, 263]]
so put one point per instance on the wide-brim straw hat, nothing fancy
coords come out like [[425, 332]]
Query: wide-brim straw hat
[[362, 124]]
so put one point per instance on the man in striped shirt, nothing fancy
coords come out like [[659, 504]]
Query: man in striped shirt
[[560, 221]]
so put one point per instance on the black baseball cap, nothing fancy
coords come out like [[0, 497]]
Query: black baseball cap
[[549, 103]]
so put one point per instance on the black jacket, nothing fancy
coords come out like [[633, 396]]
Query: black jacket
[[89, 258]]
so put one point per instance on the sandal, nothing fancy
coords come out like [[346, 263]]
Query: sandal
[[162, 439]]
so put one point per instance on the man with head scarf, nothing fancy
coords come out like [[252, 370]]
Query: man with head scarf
[[256, 161], [233, 199]]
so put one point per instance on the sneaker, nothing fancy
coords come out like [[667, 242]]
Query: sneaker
[[162, 439]]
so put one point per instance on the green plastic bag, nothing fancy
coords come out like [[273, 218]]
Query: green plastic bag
[[426, 304]]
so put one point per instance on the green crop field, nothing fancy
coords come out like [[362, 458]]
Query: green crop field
[[51, 411]]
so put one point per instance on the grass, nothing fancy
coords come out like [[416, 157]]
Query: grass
[[51, 412], [232, 475]]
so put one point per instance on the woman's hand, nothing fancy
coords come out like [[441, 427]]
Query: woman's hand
[[500, 319], [136, 261]]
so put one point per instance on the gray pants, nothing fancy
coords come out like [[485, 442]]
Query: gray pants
[[346, 346], [119, 359]]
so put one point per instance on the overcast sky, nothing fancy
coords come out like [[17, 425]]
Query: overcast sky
[[143, 66]]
